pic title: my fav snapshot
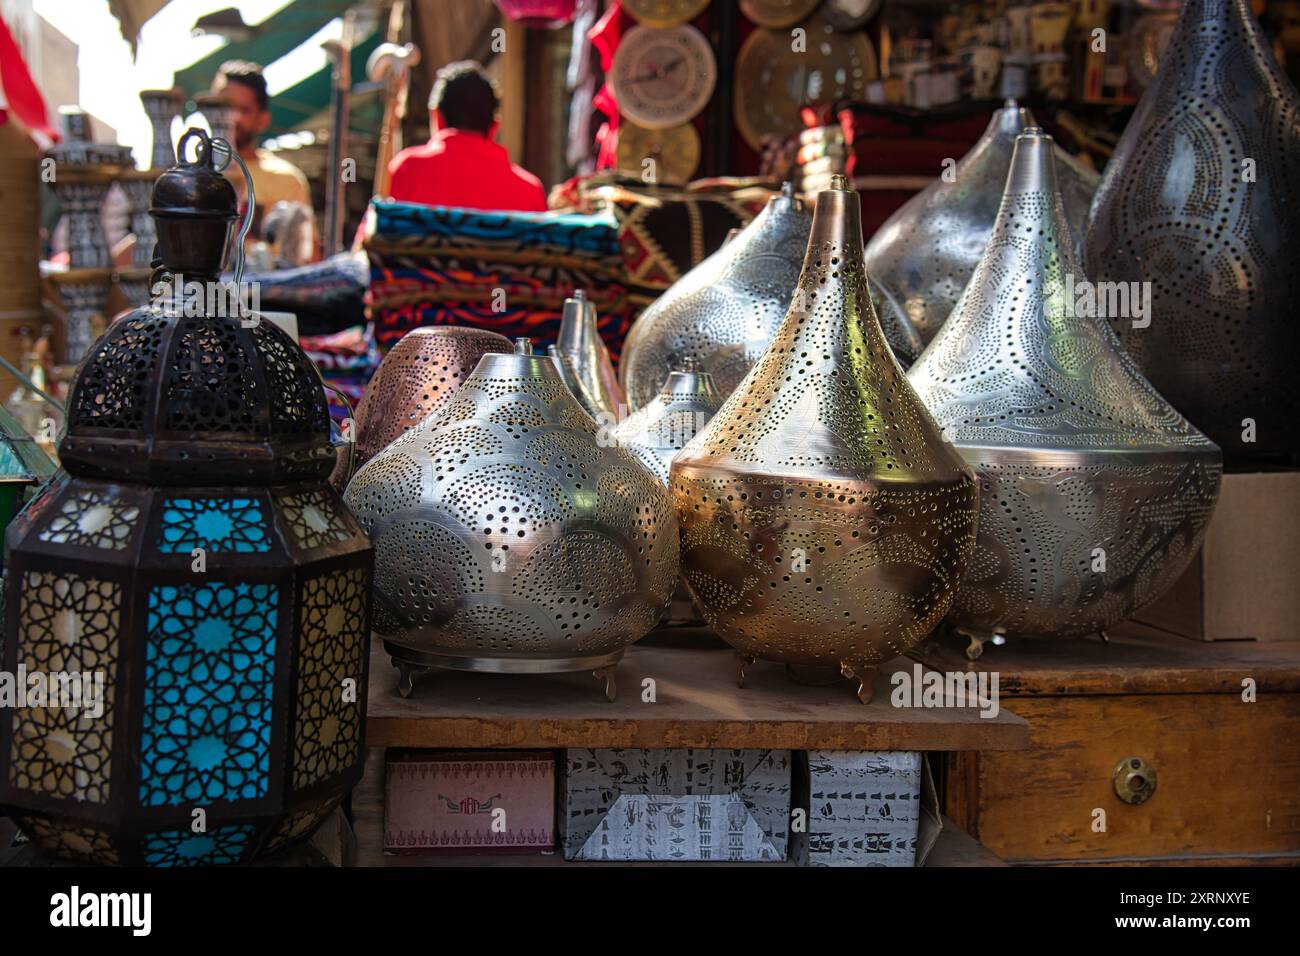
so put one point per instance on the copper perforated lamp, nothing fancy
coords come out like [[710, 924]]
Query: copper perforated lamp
[[192, 553]]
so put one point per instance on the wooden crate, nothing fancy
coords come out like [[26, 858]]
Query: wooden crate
[[1227, 770]]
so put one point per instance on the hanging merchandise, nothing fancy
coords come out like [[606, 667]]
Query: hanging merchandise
[[193, 559], [924, 254], [662, 78], [511, 536], [824, 520], [664, 13], [417, 377], [538, 14], [1095, 493], [1196, 214]]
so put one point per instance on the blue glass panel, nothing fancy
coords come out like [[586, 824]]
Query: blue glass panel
[[183, 848], [213, 524], [209, 670]]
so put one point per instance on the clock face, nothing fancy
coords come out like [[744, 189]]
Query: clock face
[[664, 13], [774, 81], [775, 14], [662, 78]]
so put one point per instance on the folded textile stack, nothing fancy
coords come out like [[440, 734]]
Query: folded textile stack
[[346, 361], [508, 272], [326, 297]]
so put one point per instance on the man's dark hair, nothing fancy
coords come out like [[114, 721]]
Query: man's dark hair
[[247, 75], [465, 96]]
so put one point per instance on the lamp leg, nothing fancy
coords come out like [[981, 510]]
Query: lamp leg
[[743, 664], [607, 675], [864, 674], [406, 676]]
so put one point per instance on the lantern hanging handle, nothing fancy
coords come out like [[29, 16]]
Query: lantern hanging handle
[[342, 396], [223, 146]]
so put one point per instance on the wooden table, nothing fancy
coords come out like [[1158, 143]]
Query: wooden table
[[1219, 722], [696, 704]]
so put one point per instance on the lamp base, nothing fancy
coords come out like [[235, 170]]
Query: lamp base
[[412, 664]]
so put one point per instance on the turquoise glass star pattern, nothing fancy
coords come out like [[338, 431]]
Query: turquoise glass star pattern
[[217, 846], [213, 524], [209, 668]]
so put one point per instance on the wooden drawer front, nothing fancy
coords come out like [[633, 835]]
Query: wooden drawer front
[[1228, 778]]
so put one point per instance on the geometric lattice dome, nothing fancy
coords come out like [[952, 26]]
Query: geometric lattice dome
[[229, 405]]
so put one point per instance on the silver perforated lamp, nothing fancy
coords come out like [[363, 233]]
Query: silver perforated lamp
[[924, 254], [1200, 202], [1095, 492], [722, 314], [509, 537]]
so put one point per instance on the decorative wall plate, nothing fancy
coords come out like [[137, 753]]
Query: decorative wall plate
[[774, 81], [663, 78], [776, 14], [664, 13], [675, 152]]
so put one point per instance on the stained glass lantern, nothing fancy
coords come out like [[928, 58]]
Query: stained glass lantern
[[192, 554], [23, 467]]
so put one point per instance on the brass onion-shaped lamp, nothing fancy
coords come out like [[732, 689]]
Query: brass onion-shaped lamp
[[1199, 202], [1095, 493], [509, 538], [923, 255], [721, 314], [824, 520]]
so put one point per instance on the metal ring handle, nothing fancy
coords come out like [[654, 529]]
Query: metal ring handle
[[223, 146]]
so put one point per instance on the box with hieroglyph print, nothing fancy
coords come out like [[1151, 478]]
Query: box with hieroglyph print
[[862, 808], [676, 805], [470, 802]]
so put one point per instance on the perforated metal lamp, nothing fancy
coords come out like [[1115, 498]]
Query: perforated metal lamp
[[191, 552]]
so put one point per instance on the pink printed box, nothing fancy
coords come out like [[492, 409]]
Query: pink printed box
[[470, 802]]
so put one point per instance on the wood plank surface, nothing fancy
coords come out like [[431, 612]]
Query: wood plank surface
[[697, 704], [1138, 660]]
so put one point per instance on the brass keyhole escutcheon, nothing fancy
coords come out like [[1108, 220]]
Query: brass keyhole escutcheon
[[1135, 780]]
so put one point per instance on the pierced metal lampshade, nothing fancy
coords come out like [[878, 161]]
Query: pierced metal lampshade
[[1200, 201], [192, 566], [824, 520], [509, 538], [663, 427], [722, 314], [1095, 493], [417, 377], [583, 361], [924, 254]]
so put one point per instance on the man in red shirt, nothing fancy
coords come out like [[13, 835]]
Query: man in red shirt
[[461, 165]]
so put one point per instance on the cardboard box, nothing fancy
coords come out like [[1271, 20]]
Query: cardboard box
[[1243, 584], [864, 808], [481, 801], [676, 805]]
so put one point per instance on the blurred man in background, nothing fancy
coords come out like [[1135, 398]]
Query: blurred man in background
[[461, 165], [274, 179]]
